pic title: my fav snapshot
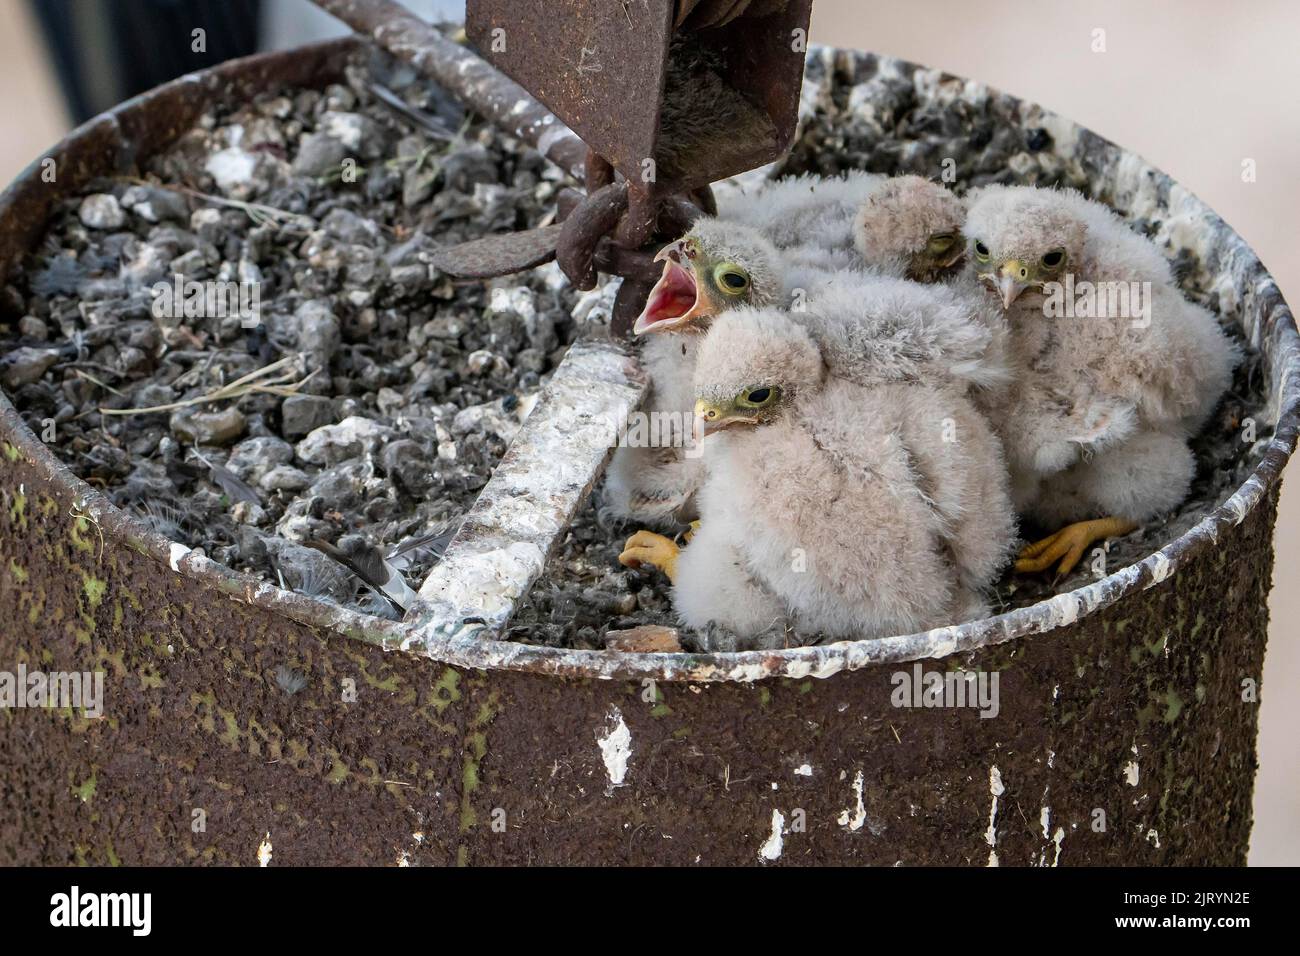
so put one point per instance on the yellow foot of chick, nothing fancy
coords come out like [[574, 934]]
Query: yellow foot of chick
[[1069, 544], [646, 547]]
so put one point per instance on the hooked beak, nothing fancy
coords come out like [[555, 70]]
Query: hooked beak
[[1012, 280], [675, 299], [717, 417]]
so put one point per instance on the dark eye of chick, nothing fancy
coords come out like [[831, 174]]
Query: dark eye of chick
[[759, 395], [980, 248], [1054, 258]]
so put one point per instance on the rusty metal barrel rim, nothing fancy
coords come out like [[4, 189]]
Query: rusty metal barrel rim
[[149, 122]]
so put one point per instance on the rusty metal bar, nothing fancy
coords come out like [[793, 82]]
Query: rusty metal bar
[[466, 75]]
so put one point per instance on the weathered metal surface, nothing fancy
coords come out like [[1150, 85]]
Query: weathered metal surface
[[1125, 697], [548, 472], [604, 70], [499, 255], [462, 72], [619, 77], [598, 66]]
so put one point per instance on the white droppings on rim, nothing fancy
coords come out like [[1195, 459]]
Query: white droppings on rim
[[771, 849], [853, 817], [615, 749], [1161, 566], [264, 850], [803, 771], [1064, 609], [996, 789], [1132, 773], [178, 552]]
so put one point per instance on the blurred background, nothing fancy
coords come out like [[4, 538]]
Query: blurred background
[[1194, 86]]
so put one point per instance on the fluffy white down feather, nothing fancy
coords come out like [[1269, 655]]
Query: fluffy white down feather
[[1097, 418], [859, 511]]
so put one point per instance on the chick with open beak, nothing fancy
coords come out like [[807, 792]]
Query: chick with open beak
[[714, 267]]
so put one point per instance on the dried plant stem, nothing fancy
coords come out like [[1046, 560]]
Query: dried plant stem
[[255, 382]]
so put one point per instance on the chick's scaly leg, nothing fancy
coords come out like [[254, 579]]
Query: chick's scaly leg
[[646, 547], [1069, 544]]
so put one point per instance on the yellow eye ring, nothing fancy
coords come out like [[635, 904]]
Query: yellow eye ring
[[731, 278], [760, 396]]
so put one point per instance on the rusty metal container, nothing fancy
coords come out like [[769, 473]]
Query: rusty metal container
[[1124, 735]]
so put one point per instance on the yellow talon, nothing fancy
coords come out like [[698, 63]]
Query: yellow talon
[[690, 532], [1069, 544], [646, 547]]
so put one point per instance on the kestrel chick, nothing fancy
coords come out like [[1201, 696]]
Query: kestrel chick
[[1115, 368], [835, 508]]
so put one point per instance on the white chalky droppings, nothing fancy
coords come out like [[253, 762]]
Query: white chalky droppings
[[264, 850], [177, 553], [771, 849], [854, 817], [996, 789], [615, 748]]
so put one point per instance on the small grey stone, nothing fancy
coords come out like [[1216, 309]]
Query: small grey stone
[[480, 362], [152, 394], [339, 488], [206, 223], [25, 365], [248, 512], [334, 443], [488, 417], [253, 457], [417, 184], [231, 168], [357, 132], [33, 328], [285, 478], [319, 155], [347, 226], [101, 211], [406, 462], [300, 414], [156, 205], [209, 428]]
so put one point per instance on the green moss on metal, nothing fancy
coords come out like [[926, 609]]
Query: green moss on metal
[[18, 510], [94, 588], [446, 691], [82, 540]]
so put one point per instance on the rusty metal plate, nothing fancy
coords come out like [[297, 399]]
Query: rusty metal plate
[[611, 74], [598, 67], [501, 255]]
